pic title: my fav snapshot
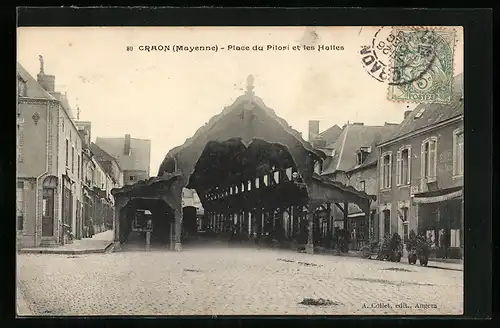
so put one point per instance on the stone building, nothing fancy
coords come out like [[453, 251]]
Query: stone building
[[102, 174], [49, 167], [353, 161], [421, 169], [132, 154]]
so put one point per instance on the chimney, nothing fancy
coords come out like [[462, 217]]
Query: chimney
[[313, 130], [408, 112], [46, 81], [126, 149], [358, 123]]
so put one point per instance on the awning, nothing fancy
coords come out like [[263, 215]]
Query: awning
[[438, 199]]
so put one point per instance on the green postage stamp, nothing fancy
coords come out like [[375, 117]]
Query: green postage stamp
[[422, 65]]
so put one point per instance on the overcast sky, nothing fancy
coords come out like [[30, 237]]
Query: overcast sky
[[167, 96]]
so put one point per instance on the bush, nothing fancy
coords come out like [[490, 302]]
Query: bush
[[384, 248], [424, 245]]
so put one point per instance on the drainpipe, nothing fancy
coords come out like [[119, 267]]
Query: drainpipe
[[44, 173]]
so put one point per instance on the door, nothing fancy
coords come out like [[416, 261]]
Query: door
[[78, 220], [48, 212]]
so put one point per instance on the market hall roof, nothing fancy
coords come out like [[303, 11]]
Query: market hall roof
[[248, 118]]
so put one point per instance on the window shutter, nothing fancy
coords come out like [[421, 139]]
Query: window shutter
[[433, 160], [382, 167], [455, 153], [408, 175], [422, 160], [390, 170], [398, 168]]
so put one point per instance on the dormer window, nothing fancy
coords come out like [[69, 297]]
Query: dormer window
[[359, 158], [362, 154], [21, 86], [419, 113]]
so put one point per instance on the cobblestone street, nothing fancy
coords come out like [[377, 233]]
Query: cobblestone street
[[231, 281]]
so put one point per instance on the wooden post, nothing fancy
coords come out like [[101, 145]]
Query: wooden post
[[310, 235], [148, 240], [346, 213], [178, 230], [347, 234], [328, 225], [119, 205]]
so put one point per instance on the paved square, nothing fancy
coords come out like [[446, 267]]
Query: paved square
[[232, 281]]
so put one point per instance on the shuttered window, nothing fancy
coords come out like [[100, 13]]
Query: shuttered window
[[429, 159]]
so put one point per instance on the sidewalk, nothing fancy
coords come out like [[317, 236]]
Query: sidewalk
[[97, 244], [22, 308], [455, 265]]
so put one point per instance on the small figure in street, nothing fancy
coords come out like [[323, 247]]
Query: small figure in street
[[91, 228]]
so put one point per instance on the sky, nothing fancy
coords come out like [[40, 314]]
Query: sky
[[165, 96]]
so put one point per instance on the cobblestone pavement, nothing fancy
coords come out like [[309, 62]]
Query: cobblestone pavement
[[226, 281]]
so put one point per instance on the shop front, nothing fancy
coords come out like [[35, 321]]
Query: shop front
[[440, 218]]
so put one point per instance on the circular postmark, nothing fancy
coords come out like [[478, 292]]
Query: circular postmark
[[397, 56], [376, 55]]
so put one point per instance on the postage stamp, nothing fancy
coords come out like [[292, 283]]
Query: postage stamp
[[421, 65]]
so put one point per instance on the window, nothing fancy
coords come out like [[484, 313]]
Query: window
[[359, 158], [361, 155], [455, 238], [403, 168], [20, 143], [48, 211], [73, 159], [429, 159], [20, 205], [420, 112], [362, 185], [458, 152], [78, 166], [21, 87], [67, 152], [406, 234], [257, 180], [385, 170], [131, 178]]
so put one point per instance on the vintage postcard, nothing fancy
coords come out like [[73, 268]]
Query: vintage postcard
[[240, 170]]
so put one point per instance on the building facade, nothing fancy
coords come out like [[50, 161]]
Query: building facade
[[55, 167], [352, 161], [132, 154], [421, 171], [48, 162], [102, 174]]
